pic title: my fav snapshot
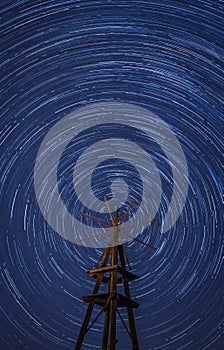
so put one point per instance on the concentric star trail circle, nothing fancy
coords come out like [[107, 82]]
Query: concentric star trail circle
[[55, 142], [57, 57]]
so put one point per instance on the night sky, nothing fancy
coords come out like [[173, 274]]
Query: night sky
[[58, 57]]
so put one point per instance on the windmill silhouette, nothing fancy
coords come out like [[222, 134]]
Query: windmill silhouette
[[113, 271]]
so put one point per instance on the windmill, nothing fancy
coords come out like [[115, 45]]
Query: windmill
[[113, 271]]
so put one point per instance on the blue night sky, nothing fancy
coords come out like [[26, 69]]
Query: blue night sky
[[59, 56]]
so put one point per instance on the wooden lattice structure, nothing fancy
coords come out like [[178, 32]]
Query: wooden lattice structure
[[112, 272]]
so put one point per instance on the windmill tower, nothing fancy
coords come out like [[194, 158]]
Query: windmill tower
[[113, 271]]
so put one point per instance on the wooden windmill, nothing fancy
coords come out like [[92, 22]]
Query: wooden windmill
[[113, 271]]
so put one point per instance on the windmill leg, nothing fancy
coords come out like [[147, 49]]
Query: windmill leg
[[113, 302], [84, 326], [106, 329], [132, 329], [106, 323], [113, 314], [130, 314], [91, 304]]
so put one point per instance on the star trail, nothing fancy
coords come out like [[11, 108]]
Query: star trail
[[58, 57]]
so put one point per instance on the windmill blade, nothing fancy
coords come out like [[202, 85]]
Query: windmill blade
[[110, 231], [95, 219], [109, 210], [145, 244], [112, 228], [127, 211]]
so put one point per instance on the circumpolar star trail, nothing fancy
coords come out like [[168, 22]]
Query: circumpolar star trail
[[59, 56]]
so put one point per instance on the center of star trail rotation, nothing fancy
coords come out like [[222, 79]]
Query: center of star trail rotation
[[164, 56], [126, 137]]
